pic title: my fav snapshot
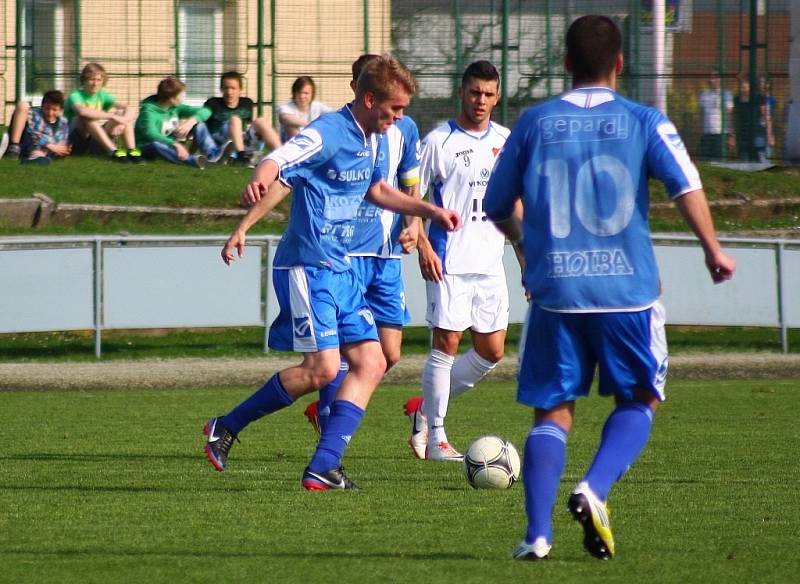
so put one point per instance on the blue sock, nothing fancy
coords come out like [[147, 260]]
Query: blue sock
[[342, 424], [328, 393], [624, 436], [545, 454], [270, 398]]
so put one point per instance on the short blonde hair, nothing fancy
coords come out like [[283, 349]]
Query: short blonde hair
[[92, 69], [382, 75]]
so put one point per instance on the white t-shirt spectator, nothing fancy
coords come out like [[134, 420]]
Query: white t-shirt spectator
[[315, 110]]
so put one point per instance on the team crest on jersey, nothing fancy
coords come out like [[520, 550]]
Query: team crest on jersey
[[302, 141], [496, 151]]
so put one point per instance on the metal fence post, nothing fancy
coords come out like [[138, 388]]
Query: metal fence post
[[782, 295], [98, 297]]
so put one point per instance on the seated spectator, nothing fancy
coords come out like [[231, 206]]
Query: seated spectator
[[232, 120], [164, 122], [296, 114], [37, 135], [97, 120]]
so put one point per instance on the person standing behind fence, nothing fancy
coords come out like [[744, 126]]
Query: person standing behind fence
[[232, 120], [97, 120], [712, 101], [37, 135], [580, 163], [303, 109], [164, 122]]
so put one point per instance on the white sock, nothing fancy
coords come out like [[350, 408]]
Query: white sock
[[468, 370], [436, 393]]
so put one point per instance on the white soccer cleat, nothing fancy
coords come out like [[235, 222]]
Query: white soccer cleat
[[592, 514], [443, 452], [538, 550], [419, 426]]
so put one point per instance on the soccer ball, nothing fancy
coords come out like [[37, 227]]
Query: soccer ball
[[491, 463]]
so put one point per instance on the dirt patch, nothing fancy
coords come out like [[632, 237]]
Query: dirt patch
[[193, 372]]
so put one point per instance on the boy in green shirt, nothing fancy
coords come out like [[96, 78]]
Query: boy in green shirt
[[164, 122], [97, 120]]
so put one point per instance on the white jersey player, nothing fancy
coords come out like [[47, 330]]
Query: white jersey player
[[466, 284]]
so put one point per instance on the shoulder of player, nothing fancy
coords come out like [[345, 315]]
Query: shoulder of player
[[439, 134], [502, 131]]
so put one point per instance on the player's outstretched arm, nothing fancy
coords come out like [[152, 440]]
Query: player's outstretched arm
[[386, 197], [694, 208], [275, 194], [263, 176]]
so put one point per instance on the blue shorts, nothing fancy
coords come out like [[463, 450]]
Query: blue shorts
[[382, 282], [319, 309], [560, 351]]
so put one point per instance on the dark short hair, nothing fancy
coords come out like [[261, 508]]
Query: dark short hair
[[593, 43], [483, 70], [53, 97], [169, 88], [358, 65], [232, 75], [301, 82]]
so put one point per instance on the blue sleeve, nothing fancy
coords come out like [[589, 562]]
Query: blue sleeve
[[667, 158], [505, 184], [306, 150]]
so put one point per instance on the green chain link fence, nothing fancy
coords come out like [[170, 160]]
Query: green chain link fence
[[742, 42]]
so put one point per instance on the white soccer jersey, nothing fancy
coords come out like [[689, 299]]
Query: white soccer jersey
[[456, 164]]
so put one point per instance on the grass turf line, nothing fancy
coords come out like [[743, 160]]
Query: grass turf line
[[102, 486]]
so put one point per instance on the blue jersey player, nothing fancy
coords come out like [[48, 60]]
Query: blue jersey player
[[329, 168], [581, 163], [379, 239]]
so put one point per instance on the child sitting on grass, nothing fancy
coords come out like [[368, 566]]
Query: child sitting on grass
[[97, 120], [37, 135], [164, 122]]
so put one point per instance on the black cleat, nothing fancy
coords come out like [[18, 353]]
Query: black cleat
[[327, 481], [218, 444]]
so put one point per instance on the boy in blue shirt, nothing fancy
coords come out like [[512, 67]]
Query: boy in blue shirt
[[330, 167], [581, 163]]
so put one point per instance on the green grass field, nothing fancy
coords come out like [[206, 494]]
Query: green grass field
[[102, 486]]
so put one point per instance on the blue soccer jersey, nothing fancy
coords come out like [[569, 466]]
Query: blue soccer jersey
[[376, 229], [581, 163], [329, 166]]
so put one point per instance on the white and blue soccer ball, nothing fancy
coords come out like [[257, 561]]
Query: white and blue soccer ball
[[491, 462]]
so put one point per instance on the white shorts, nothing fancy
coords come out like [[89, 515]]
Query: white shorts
[[462, 301]]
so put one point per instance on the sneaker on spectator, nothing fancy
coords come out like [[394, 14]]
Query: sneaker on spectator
[[199, 161], [13, 152], [223, 153], [38, 159], [135, 156], [119, 155]]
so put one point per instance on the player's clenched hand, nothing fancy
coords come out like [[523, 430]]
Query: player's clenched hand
[[235, 241], [721, 266], [448, 219], [408, 238], [252, 193]]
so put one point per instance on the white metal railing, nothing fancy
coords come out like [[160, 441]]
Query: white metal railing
[[113, 282]]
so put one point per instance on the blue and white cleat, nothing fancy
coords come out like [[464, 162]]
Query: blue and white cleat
[[593, 515], [330, 480], [538, 550], [218, 444]]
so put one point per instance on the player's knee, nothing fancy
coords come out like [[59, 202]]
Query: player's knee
[[371, 369], [494, 355], [391, 355], [323, 374]]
